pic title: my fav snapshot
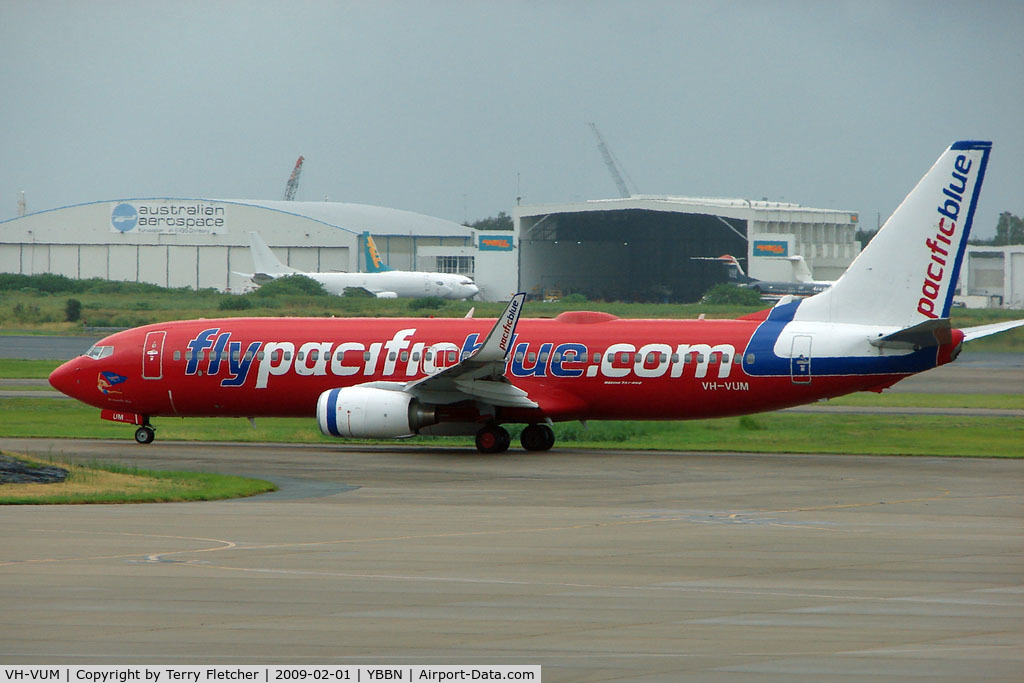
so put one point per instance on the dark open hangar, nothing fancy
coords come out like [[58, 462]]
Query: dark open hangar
[[645, 248]]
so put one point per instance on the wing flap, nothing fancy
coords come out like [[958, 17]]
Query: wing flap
[[495, 392]]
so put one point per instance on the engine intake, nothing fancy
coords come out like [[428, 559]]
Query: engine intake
[[368, 413]]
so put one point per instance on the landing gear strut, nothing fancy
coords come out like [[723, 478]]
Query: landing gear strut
[[537, 437], [493, 439]]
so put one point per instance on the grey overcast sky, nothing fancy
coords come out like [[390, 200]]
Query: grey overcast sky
[[453, 108]]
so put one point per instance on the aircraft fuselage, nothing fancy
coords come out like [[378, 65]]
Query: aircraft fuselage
[[612, 369]]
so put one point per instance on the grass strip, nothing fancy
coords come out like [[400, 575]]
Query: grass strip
[[107, 483], [912, 400], [15, 368], [765, 433]]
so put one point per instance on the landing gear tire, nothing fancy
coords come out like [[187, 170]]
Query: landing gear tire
[[537, 437], [145, 434], [493, 439]]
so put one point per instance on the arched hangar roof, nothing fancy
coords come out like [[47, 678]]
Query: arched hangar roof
[[354, 218]]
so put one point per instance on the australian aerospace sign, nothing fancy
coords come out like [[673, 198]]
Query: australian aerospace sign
[[168, 217]]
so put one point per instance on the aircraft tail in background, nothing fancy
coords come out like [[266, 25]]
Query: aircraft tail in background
[[264, 260], [907, 274], [374, 263]]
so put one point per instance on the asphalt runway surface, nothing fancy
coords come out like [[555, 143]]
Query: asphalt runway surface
[[597, 566]]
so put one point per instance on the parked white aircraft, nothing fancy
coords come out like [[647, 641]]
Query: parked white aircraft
[[383, 283]]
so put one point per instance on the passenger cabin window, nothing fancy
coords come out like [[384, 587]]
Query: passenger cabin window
[[177, 355]]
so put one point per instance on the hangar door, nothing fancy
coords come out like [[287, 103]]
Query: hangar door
[[627, 254]]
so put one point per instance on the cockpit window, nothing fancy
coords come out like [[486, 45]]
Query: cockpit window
[[96, 351]]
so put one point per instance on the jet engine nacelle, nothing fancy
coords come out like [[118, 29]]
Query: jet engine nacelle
[[386, 295], [368, 413]]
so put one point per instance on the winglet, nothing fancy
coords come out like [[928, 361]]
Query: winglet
[[499, 340]]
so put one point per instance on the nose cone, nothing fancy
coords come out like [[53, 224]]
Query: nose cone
[[66, 378], [469, 291]]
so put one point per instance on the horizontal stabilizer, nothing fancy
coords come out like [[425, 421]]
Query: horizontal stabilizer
[[922, 335], [971, 333]]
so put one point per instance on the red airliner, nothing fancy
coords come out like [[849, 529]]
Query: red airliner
[[886, 318]]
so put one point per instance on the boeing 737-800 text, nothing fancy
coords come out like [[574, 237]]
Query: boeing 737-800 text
[[886, 318]]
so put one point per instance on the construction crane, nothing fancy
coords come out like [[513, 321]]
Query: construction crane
[[293, 181], [610, 162]]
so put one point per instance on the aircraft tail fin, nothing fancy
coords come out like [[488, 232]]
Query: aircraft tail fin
[[907, 274], [264, 260], [801, 272], [374, 263]]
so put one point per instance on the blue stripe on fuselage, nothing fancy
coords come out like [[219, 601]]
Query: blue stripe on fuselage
[[767, 364]]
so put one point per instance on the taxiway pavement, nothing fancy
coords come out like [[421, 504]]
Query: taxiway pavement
[[595, 565]]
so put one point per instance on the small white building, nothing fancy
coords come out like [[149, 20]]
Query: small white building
[[993, 277]]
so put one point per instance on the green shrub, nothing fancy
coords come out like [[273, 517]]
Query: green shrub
[[73, 310], [726, 294], [291, 285], [234, 303], [29, 313], [431, 303]]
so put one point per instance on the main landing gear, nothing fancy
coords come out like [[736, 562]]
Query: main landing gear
[[495, 438], [537, 437]]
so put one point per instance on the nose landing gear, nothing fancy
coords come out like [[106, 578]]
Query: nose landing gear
[[145, 434]]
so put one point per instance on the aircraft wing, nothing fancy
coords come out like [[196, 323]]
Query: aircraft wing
[[481, 375]]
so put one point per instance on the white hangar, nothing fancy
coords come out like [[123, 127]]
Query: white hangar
[[655, 248], [993, 277], [199, 243]]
